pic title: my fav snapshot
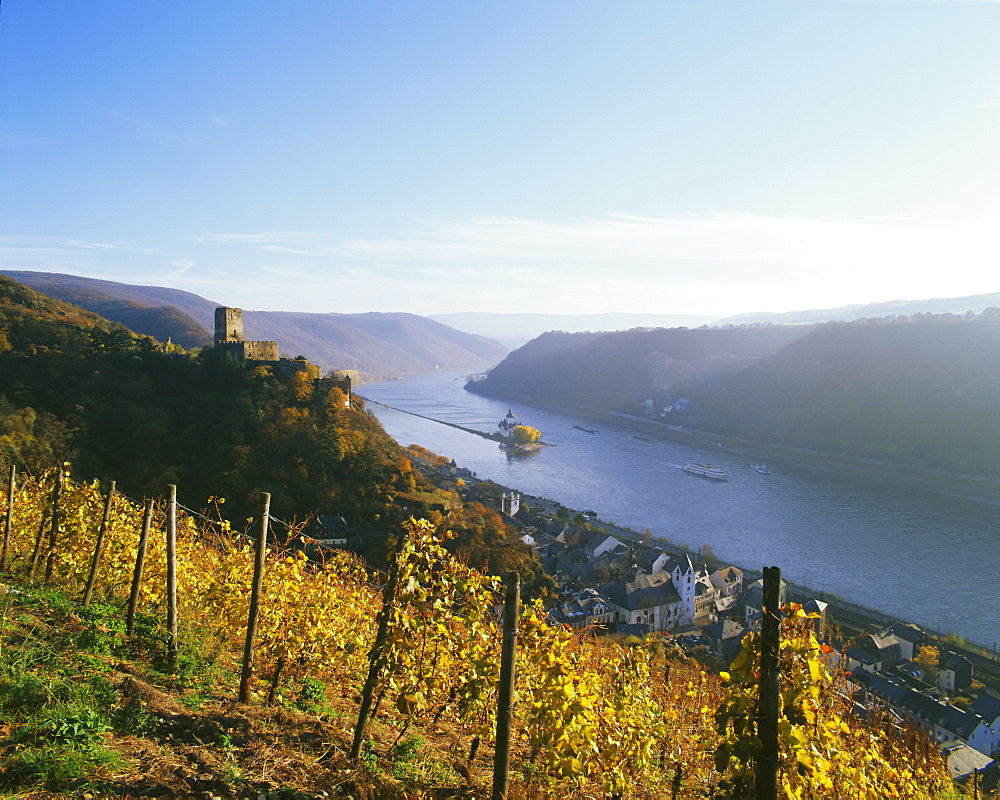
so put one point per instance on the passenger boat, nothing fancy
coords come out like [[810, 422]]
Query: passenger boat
[[705, 471], [761, 468]]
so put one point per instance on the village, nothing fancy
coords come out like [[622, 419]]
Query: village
[[617, 582]]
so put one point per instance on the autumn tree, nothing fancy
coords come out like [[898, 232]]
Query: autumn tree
[[928, 658], [525, 434]]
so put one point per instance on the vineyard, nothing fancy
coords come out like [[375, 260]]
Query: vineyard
[[119, 619]]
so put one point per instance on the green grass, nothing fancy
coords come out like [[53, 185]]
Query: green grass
[[60, 766]]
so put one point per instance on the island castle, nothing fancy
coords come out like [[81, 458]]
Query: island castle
[[229, 339]]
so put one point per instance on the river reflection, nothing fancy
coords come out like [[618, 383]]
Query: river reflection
[[920, 556]]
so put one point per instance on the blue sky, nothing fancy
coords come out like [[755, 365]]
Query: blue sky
[[571, 157]]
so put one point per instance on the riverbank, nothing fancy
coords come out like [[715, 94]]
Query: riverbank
[[849, 618], [965, 487]]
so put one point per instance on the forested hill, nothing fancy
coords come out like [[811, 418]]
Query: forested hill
[[922, 391], [619, 370], [371, 344], [161, 322], [76, 387]]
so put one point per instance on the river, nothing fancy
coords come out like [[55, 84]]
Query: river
[[922, 557]]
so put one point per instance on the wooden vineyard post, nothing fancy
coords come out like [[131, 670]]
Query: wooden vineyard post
[[50, 560], [258, 582], [37, 550], [140, 563], [172, 574], [505, 693], [375, 658], [102, 533], [767, 699], [8, 518]]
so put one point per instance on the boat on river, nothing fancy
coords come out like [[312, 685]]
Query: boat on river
[[715, 473], [761, 468], [586, 430]]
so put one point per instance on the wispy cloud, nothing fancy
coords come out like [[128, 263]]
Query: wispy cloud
[[96, 245], [717, 262], [180, 265]]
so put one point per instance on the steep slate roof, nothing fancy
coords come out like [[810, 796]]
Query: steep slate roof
[[961, 723], [987, 706], [593, 539], [878, 643], [911, 670], [880, 685], [815, 606], [683, 561], [723, 629], [754, 595], [579, 607], [859, 655], [729, 574], [645, 557], [645, 591], [954, 661], [964, 760], [907, 631]]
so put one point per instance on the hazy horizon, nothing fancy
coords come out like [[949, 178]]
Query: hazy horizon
[[566, 158]]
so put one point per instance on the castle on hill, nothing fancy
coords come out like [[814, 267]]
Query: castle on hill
[[229, 339]]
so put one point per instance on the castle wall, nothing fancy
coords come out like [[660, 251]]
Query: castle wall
[[260, 351], [251, 351]]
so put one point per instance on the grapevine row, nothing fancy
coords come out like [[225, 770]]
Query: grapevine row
[[589, 715]]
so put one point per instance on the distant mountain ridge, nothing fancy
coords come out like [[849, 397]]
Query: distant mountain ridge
[[372, 344], [976, 303], [516, 329]]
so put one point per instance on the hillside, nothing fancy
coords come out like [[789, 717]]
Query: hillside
[[619, 370], [921, 392], [161, 322], [100, 697], [76, 387], [374, 344]]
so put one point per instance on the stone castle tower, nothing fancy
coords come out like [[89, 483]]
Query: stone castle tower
[[229, 337], [228, 325]]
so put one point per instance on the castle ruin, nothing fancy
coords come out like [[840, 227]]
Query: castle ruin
[[229, 339]]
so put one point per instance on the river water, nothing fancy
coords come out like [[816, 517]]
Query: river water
[[926, 558]]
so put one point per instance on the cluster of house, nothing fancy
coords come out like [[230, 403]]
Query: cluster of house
[[884, 673], [629, 587]]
